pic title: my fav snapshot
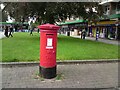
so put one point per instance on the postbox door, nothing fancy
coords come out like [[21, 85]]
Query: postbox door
[[50, 50]]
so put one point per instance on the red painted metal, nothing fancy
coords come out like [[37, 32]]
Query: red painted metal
[[48, 43]]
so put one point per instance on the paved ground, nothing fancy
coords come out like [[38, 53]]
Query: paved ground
[[102, 75], [101, 40]]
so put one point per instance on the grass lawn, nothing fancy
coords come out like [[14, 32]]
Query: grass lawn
[[23, 47]]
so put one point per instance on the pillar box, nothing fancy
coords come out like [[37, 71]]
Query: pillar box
[[48, 43]]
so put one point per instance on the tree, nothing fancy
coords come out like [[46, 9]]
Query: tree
[[3, 13], [49, 12], [4, 17]]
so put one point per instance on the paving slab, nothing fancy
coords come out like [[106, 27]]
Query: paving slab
[[102, 75]]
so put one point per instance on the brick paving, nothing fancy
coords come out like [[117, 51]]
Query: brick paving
[[101, 75]]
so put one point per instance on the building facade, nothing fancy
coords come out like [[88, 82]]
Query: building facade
[[109, 24]]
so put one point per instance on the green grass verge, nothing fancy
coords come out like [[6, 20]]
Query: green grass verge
[[75, 49], [23, 47]]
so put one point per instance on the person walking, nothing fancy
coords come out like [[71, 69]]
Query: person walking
[[32, 26], [11, 30], [31, 30], [6, 31]]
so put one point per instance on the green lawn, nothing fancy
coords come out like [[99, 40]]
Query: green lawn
[[23, 47]]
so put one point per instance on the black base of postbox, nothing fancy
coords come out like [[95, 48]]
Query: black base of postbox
[[47, 73]]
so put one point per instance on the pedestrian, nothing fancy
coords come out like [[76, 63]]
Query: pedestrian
[[11, 30], [38, 30], [6, 31], [83, 34], [80, 32], [31, 30], [16, 28], [97, 34], [32, 26]]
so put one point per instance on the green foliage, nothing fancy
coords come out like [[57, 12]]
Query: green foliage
[[52, 11], [59, 76], [4, 17], [38, 76]]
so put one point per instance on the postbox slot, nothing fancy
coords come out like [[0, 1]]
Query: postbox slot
[[50, 34]]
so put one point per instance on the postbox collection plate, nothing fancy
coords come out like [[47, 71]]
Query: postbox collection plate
[[49, 43]]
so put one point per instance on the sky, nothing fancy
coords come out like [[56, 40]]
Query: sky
[[2, 6]]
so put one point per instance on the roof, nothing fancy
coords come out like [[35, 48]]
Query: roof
[[5, 23], [73, 22], [13, 23], [107, 1]]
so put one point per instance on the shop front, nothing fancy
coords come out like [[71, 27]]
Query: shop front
[[107, 29]]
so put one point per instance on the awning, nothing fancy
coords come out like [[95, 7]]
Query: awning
[[73, 22], [114, 16]]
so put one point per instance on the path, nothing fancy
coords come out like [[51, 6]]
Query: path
[[102, 75]]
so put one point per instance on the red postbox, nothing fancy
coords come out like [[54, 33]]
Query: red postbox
[[48, 43]]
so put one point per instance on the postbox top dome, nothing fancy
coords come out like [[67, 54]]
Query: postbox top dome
[[48, 27]]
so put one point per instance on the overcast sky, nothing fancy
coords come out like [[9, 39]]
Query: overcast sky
[[2, 6]]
